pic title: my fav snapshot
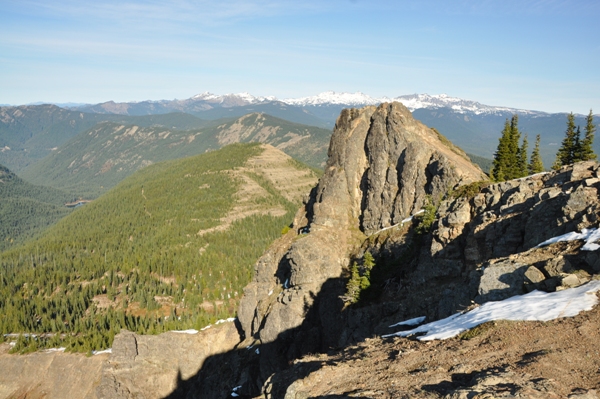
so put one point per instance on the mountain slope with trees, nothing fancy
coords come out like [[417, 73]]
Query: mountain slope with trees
[[26, 209], [29, 133], [170, 247], [100, 157]]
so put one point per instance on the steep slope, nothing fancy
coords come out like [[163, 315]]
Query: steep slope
[[99, 158], [29, 133], [171, 247], [26, 209], [484, 246]]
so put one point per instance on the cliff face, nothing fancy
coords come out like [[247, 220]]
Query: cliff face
[[383, 166]]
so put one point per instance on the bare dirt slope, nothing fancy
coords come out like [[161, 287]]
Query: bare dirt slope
[[502, 359], [277, 171]]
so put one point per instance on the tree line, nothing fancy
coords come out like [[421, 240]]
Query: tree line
[[511, 161]]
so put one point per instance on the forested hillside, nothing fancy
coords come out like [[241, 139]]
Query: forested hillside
[[29, 133], [170, 247], [97, 159], [26, 209]]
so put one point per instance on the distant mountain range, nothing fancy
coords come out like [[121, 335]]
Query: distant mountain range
[[29, 133], [473, 126], [207, 101]]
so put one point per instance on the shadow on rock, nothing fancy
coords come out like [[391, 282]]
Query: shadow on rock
[[246, 371]]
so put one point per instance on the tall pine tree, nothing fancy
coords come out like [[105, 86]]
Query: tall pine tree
[[573, 148], [565, 154], [514, 171], [586, 151], [510, 160], [535, 164], [499, 164], [523, 167]]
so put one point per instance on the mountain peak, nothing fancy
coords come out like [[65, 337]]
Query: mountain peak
[[331, 97], [232, 99]]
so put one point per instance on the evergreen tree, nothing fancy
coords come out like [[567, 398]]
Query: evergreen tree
[[564, 156], [499, 164], [510, 161], [522, 158], [586, 151], [577, 146], [536, 165], [513, 150]]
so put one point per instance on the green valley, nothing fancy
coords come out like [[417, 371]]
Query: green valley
[[26, 209], [170, 247]]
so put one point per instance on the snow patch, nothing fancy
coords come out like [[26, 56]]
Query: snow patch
[[535, 306], [331, 97], [234, 391], [190, 331], [590, 236], [229, 320], [109, 350], [61, 349], [410, 322]]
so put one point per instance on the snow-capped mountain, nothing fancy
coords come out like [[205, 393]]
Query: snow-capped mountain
[[331, 97], [418, 101], [411, 101], [325, 105], [237, 99]]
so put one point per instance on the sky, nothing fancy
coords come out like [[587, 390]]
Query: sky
[[531, 54]]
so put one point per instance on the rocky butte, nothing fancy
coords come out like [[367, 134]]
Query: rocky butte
[[298, 336]]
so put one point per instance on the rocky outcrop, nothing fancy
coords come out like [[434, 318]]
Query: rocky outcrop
[[383, 167], [495, 233], [155, 366], [139, 366], [50, 375]]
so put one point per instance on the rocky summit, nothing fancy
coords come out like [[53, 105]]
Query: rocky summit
[[383, 167]]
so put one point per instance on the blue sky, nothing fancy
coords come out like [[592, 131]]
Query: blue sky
[[539, 54]]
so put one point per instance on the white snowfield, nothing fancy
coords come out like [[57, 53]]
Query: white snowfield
[[590, 236], [535, 306]]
